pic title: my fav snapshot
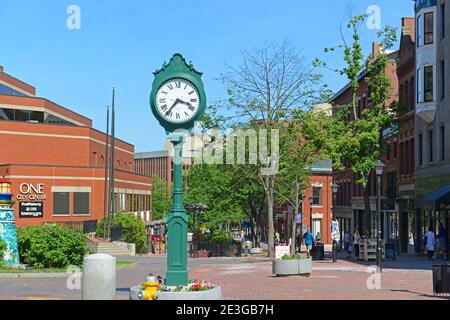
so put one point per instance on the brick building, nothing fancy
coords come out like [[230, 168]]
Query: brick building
[[350, 201], [320, 191], [406, 71], [55, 160]]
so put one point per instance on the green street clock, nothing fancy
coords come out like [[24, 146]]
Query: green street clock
[[178, 98], [177, 101]]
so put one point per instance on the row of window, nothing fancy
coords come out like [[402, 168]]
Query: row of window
[[431, 151], [61, 203], [31, 116]]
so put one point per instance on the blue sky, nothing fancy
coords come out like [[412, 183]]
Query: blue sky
[[121, 42]]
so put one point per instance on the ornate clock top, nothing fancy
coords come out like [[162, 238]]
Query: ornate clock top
[[178, 97]]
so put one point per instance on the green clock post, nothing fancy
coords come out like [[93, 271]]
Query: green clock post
[[177, 100]]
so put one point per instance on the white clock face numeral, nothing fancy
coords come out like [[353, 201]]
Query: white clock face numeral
[[177, 100]]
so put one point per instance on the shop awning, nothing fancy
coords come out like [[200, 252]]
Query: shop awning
[[439, 200]]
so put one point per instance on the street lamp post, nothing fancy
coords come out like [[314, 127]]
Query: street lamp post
[[379, 171], [334, 189]]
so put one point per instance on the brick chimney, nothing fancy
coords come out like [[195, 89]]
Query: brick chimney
[[376, 49], [1, 69]]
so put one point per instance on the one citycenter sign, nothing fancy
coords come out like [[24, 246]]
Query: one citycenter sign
[[177, 100]]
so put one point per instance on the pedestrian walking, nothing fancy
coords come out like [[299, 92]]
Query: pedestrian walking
[[347, 244], [442, 241], [356, 239], [309, 239], [430, 243]]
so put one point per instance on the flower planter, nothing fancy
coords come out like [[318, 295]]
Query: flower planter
[[213, 294], [201, 254], [301, 267]]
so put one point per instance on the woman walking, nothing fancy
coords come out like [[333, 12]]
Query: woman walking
[[356, 238]]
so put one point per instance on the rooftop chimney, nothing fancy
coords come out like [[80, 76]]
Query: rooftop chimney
[[1, 69]]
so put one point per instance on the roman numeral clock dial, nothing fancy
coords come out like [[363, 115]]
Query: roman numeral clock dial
[[177, 100]]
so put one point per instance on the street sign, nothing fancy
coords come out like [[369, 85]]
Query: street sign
[[335, 234], [298, 218]]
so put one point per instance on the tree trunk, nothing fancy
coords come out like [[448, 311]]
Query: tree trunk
[[366, 215], [293, 232], [270, 224]]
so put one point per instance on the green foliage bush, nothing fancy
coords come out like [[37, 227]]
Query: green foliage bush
[[3, 247], [51, 246], [133, 230]]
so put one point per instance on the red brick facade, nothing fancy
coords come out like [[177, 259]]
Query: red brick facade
[[68, 160]]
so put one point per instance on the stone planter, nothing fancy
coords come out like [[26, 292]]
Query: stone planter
[[201, 254], [301, 267], [213, 294]]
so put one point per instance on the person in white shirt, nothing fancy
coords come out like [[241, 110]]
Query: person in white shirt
[[430, 243]]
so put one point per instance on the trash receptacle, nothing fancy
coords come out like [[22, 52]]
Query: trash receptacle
[[441, 279], [318, 252]]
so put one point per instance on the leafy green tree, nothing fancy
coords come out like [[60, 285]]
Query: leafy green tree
[[359, 140], [263, 90], [161, 199], [301, 147], [212, 185]]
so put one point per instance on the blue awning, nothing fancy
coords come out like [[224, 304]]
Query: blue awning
[[438, 200]]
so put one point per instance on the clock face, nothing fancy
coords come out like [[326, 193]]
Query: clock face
[[177, 100]]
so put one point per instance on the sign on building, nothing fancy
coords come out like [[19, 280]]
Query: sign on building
[[31, 209]]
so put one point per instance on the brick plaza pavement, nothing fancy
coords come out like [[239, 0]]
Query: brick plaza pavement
[[344, 280]]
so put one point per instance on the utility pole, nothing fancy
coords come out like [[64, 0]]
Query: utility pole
[[106, 197], [112, 168]]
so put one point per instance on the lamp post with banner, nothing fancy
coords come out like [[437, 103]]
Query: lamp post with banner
[[334, 224]]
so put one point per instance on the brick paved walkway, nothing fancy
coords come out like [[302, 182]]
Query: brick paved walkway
[[344, 280]]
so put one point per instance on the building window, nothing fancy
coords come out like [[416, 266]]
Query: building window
[[428, 28], [317, 227], [419, 85], [81, 203], [442, 129], [430, 146], [442, 21], [442, 80], [411, 94], [388, 152], [419, 31], [420, 149], [61, 203], [428, 84], [317, 196]]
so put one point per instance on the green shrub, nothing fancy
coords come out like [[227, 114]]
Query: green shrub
[[3, 247], [51, 246], [133, 230]]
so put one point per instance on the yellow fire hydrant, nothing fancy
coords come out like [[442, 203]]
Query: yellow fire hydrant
[[150, 287]]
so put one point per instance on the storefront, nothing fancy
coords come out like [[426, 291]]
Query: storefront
[[434, 211]]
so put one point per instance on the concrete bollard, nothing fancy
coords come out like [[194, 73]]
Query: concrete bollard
[[99, 277]]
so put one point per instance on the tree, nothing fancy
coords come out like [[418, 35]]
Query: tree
[[212, 185], [359, 140], [161, 200], [264, 89], [302, 147]]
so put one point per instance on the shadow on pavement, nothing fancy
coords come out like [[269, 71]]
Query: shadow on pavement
[[422, 294]]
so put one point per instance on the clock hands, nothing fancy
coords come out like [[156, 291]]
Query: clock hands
[[169, 112], [173, 106]]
